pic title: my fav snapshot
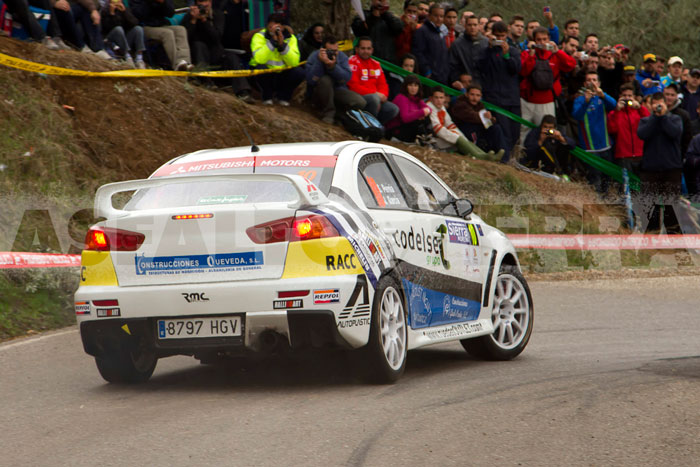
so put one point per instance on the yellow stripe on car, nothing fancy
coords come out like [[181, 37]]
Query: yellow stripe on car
[[96, 268], [321, 257]]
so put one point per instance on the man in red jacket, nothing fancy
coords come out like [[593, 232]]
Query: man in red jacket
[[539, 88], [622, 125], [368, 80]]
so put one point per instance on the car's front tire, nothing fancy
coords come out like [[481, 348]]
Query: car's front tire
[[388, 337], [512, 316], [135, 366]]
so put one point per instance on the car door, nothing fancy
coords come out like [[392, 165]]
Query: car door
[[405, 201]]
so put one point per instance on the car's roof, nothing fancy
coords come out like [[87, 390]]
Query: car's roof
[[282, 150]]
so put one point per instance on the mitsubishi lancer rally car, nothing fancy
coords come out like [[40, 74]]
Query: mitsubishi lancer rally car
[[349, 245]]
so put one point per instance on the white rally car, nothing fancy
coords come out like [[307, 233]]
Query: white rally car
[[351, 245]]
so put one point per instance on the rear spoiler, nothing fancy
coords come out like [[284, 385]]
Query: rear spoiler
[[309, 194]]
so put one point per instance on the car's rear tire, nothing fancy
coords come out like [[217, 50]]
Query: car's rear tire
[[512, 316], [127, 367], [388, 338]]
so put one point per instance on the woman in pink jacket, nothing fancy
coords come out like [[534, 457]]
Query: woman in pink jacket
[[413, 121]]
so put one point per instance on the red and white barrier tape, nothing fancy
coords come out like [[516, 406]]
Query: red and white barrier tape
[[605, 242], [15, 260]]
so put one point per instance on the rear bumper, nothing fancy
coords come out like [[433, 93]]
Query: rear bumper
[[313, 324]]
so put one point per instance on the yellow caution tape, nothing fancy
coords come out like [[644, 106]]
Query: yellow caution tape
[[26, 65]]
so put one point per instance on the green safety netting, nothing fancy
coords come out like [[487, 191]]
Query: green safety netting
[[608, 168]]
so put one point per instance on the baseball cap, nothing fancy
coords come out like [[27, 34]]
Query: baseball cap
[[675, 59], [630, 69], [649, 58], [695, 71], [623, 47]]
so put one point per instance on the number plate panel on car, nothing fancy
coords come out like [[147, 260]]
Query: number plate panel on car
[[200, 327]]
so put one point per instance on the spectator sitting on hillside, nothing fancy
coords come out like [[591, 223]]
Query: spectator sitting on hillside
[[673, 104], [478, 124], [429, 46], [412, 124], [691, 93], [447, 135], [661, 166], [79, 22], [540, 84], [368, 80], [590, 110], [123, 29], [327, 74], [53, 28], [205, 26], [546, 149], [465, 53], [382, 26], [235, 22], [410, 24], [622, 125], [22, 15], [311, 41], [500, 70], [153, 15], [675, 70], [648, 78], [276, 47], [394, 80]]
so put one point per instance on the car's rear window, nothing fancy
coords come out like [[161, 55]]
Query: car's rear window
[[212, 193], [318, 169]]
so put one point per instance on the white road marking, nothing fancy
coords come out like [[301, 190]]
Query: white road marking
[[31, 340]]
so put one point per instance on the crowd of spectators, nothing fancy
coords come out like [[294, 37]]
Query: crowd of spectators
[[575, 89]]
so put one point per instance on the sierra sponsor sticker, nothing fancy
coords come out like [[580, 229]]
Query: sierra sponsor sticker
[[326, 296], [461, 232]]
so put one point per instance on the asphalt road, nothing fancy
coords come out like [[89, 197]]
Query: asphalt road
[[611, 377]]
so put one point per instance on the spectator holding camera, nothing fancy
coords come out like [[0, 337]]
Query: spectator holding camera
[[547, 149], [123, 29], [622, 125], [368, 80], [429, 46], [382, 26], [500, 70], [327, 74], [662, 165], [610, 70], [541, 65], [276, 47], [648, 78], [590, 109]]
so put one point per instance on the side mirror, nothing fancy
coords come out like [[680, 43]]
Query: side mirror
[[463, 207]]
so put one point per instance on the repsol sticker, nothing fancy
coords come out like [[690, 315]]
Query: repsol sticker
[[418, 241], [326, 296]]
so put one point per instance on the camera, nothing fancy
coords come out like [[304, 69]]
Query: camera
[[550, 132], [629, 103], [658, 108], [331, 54], [497, 42], [549, 47], [583, 56]]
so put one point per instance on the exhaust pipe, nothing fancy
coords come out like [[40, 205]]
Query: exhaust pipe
[[270, 341]]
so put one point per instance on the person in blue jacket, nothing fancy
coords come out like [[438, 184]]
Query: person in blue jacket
[[590, 110], [500, 67], [327, 74], [648, 78]]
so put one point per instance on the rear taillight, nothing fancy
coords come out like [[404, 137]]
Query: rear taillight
[[107, 238], [292, 230]]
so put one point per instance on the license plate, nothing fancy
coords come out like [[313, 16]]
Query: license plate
[[201, 327]]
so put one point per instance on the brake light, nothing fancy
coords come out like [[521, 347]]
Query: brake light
[[181, 217], [108, 238], [292, 230]]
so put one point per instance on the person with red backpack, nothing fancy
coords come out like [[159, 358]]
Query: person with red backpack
[[542, 63]]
